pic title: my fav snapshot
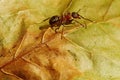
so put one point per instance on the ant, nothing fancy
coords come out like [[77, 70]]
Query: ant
[[65, 19]]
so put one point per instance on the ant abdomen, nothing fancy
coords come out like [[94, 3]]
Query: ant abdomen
[[54, 20]]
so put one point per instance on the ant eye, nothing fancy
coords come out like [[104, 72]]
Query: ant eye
[[75, 15]]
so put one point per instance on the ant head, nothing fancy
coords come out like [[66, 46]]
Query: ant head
[[75, 15], [54, 19]]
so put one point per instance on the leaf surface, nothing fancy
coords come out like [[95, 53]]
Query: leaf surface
[[81, 54]]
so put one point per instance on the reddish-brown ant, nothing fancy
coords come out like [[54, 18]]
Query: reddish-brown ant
[[66, 19]]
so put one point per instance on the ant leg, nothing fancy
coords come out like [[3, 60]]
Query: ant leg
[[68, 6], [78, 11], [62, 31], [43, 20], [85, 18], [85, 25], [46, 19], [57, 29], [80, 23]]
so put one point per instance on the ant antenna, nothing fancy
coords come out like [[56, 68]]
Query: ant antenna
[[78, 10], [84, 17], [68, 6], [79, 23]]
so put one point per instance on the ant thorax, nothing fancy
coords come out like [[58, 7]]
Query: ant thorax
[[66, 18]]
